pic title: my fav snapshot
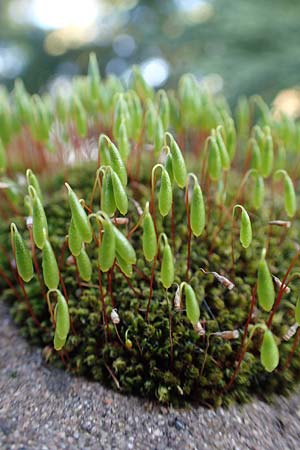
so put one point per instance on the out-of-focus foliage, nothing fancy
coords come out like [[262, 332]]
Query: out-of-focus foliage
[[252, 46]]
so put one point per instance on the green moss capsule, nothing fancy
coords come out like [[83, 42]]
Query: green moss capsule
[[84, 265], [22, 254], [267, 155], [167, 267], [107, 248], [117, 163], [197, 211], [39, 220], [50, 267], [79, 216], [269, 354], [33, 181], [289, 196], [165, 194], [245, 227], [149, 237], [108, 203], [159, 136], [164, 108], [214, 160], [289, 192], [225, 160], [62, 320], [230, 137], [265, 286], [297, 311], [178, 163], [124, 248], [191, 304], [120, 195], [94, 76], [74, 240], [104, 155]]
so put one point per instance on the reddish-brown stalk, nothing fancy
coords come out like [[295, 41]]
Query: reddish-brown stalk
[[105, 318], [243, 349], [109, 286]]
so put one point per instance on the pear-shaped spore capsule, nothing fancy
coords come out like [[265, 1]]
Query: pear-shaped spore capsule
[[84, 265], [62, 320], [107, 248], [256, 155], [74, 240], [191, 304], [124, 248], [120, 195], [265, 286], [178, 163], [50, 267], [149, 237], [225, 160], [269, 354], [33, 181], [289, 196], [39, 220], [214, 160], [165, 194], [22, 254], [246, 229], [117, 163], [108, 203], [167, 267], [104, 155], [79, 216], [197, 212]]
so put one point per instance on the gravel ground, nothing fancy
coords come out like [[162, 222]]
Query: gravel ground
[[42, 408]]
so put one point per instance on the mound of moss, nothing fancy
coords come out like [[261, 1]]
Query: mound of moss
[[162, 357]]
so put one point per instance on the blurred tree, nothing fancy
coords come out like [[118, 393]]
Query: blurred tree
[[253, 45]]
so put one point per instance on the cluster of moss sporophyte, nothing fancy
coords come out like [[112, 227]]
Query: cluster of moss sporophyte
[[165, 263]]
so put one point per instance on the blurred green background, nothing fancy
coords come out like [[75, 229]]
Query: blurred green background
[[238, 46]]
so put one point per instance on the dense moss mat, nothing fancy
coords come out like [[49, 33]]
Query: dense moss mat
[[168, 361]]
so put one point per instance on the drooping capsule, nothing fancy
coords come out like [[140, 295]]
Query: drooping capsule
[[289, 196], [74, 239], [197, 211], [50, 267], [225, 160], [165, 194], [84, 265], [149, 237], [214, 160], [265, 286], [124, 266], [297, 311], [117, 163], [245, 227], [191, 304], [22, 254], [79, 216], [39, 220], [167, 267], [120, 195], [258, 192], [178, 163], [269, 354], [33, 181], [107, 248], [267, 154], [62, 320]]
